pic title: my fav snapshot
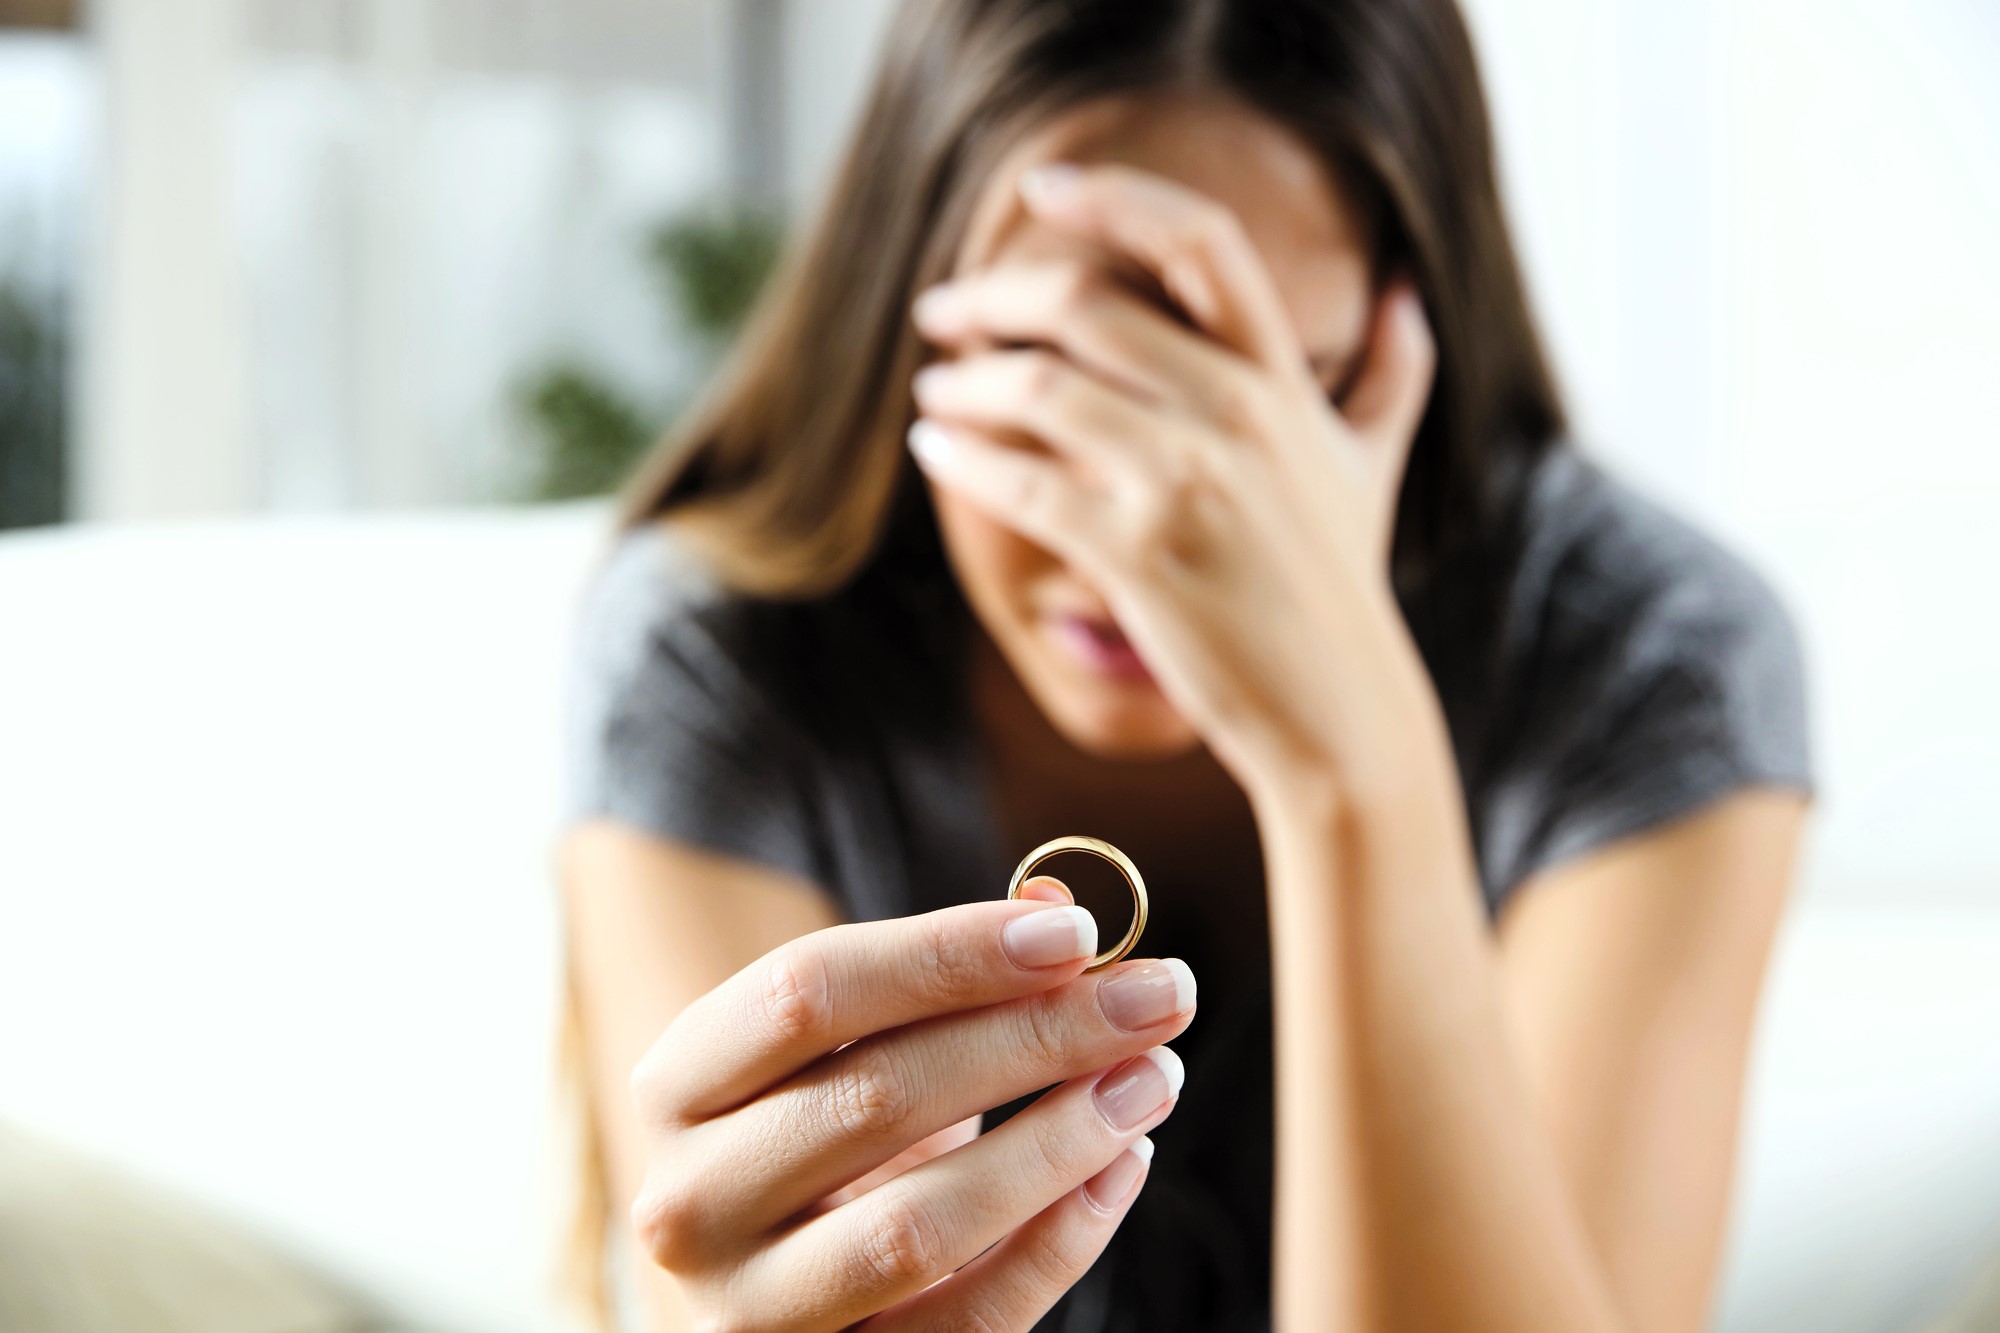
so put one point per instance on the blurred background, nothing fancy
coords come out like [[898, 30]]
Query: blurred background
[[325, 325]]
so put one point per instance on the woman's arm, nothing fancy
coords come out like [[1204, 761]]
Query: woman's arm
[[652, 924], [792, 1104], [1632, 977], [1537, 1134], [1451, 1153]]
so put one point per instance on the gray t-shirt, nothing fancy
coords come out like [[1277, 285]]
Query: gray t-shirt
[[1603, 665]]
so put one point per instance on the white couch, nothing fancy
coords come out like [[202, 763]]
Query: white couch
[[278, 928]]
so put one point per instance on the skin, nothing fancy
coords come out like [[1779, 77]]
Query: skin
[[1547, 1112]]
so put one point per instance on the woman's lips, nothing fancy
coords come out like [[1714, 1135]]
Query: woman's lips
[[1101, 646]]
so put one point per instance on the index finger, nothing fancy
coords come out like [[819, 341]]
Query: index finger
[[1194, 245], [816, 993]]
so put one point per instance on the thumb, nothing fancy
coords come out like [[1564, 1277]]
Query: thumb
[[1047, 889], [1388, 400]]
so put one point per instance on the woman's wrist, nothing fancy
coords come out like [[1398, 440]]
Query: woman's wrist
[[1404, 822], [1306, 788], [1296, 795]]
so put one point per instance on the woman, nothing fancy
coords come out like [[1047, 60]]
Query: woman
[[1242, 531]]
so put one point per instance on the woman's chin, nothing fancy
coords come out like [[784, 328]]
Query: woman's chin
[[1117, 718]]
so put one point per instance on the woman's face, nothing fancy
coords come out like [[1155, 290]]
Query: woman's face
[[1053, 628]]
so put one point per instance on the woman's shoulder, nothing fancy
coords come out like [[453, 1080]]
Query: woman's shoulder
[[647, 582], [1600, 552], [652, 615], [1646, 666], [789, 730], [678, 716]]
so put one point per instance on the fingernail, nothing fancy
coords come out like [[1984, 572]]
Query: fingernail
[[1054, 935], [1139, 1087], [1149, 993], [930, 442], [1049, 181], [936, 306], [931, 377], [1109, 1187]]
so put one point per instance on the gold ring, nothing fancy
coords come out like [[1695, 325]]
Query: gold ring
[[1078, 842]]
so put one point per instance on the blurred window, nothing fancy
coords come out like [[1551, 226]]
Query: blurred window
[[44, 101]]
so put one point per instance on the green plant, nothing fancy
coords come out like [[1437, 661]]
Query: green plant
[[590, 432], [716, 262], [33, 352], [587, 430]]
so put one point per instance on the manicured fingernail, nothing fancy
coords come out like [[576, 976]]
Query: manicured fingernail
[[1149, 993], [937, 307], [1170, 1065], [930, 442], [1048, 182], [1139, 1087], [1054, 935], [1109, 1187], [931, 377]]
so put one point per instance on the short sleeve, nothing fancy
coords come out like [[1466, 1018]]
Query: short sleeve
[[1671, 674], [666, 726]]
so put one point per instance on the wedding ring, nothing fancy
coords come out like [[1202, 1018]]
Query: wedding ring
[[1077, 842]]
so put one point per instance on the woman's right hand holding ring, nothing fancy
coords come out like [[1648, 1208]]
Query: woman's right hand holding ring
[[814, 1155]]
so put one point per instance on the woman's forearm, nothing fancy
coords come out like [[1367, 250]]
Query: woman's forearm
[[1320, 1225], [1415, 1184]]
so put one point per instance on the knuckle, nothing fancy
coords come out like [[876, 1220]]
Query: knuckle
[[1040, 1039], [1164, 519], [796, 997], [1182, 478], [1065, 518], [1078, 290], [949, 966], [1213, 228], [1238, 407], [1063, 1148], [868, 1095], [901, 1244], [985, 1315], [1058, 1255], [1033, 498], [985, 1312], [1148, 530], [667, 1221], [1041, 374]]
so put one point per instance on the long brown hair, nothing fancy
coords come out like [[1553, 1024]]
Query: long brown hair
[[790, 473]]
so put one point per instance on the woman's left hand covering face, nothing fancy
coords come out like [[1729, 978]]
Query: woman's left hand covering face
[[1237, 523]]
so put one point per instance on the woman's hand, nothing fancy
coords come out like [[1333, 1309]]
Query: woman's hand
[[1236, 523], [796, 1115]]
